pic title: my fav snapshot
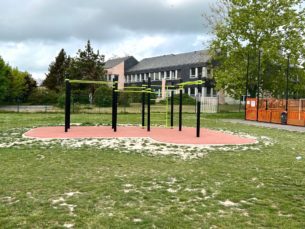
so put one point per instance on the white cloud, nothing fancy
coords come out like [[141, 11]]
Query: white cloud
[[33, 33]]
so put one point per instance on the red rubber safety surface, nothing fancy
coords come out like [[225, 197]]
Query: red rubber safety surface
[[165, 135]]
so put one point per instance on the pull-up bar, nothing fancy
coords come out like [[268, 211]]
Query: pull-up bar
[[91, 82], [144, 89]]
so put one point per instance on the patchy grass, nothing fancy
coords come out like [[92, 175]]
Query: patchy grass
[[56, 184]]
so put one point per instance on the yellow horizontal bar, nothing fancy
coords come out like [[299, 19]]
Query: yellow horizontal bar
[[90, 82], [149, 92], [135, 87]]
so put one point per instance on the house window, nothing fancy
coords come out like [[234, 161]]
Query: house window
[[157, 74], [192, 91], [168, 75], [200, 73], [162, 75], [193, 73]]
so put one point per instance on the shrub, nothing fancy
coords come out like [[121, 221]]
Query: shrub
[[103, 96], [43, 96], [80, 96], [124, 99], [186, 100], [61, 100]]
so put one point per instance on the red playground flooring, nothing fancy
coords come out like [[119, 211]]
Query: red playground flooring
[[165, 135]]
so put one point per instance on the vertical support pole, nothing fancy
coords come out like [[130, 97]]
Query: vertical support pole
[[67, 105], [287, 83], [148, 103], [172, 106], [247, 84], [143, 107], [113, 95], [180, 106], [116, 104], [258, 82], [199, 87]]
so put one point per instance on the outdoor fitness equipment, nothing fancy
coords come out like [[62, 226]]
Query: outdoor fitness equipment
[[146, 91]]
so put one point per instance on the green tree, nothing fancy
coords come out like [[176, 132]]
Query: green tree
[[243, 27], [17, 85], [30, 85], [5, 78], [88, 65], [21, 86], [57, 72]]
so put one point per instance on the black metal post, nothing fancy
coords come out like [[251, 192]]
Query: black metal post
[[172, 106], [258, 82], [287, 83], [247, 84], [116, 104], [143, 107], [199, 87], [180, 106], [113, 102], [148, 103], [67, 106]]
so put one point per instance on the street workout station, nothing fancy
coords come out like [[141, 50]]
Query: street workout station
[[180, 136]]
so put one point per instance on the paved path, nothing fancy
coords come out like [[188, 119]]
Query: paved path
[[186, 137], [25, 108], [268, 125]]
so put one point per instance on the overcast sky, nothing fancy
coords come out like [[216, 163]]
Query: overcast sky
[[32, 32]]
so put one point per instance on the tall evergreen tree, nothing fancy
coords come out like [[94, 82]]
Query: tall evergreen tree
[[57, 72], [30, 83], [88, 65]]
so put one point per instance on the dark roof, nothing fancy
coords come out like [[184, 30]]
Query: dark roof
[[114, 62], [172, 60]]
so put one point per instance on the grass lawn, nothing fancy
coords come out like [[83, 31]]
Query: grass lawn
[[60, 184]]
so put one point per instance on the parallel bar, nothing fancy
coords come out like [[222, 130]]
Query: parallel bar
[[180, 107], [148, 105], [131, 87], [197, 82], [145, 91], [90, 82], [172, 108]]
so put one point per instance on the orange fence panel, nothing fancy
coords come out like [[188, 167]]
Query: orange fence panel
[[270, 110], [264, 115], [276, 116], [296, 118], [251, 114]]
